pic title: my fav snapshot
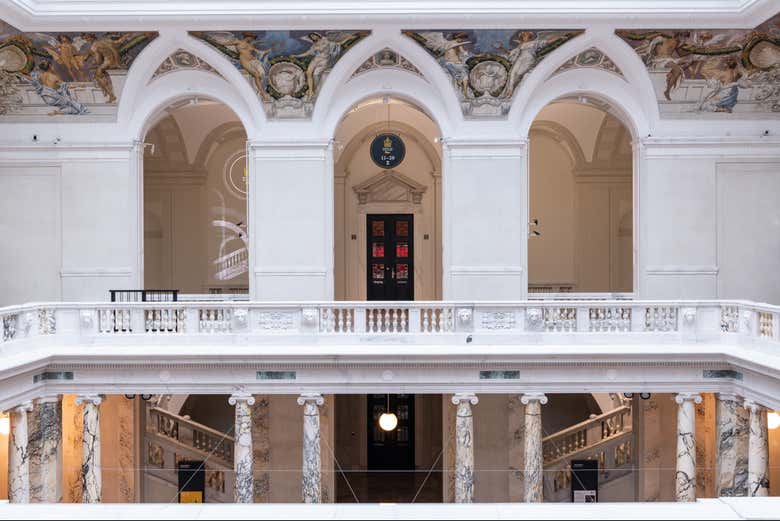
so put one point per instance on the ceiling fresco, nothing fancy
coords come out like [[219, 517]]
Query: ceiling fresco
[[487, 66], [703, 72], [286, 68], [65, 74], [592, 58]]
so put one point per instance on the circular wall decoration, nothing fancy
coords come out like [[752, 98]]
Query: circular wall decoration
[[235, 174], [387, 150]]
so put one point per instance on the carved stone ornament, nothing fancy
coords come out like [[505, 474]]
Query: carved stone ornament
[[689, 316], [241, 317], [87, 319], [390, 187], [309, 317], [464, 316], [534, 319]]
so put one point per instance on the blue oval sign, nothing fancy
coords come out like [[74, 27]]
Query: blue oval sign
[[388, 150]]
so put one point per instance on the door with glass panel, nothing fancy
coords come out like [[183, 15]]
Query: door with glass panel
[[390, 257], [394, 449]]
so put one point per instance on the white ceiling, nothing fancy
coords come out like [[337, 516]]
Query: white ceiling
[[58, 14]]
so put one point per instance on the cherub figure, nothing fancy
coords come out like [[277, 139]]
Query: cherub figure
[[325, 51], [64, 52], [453, 56]]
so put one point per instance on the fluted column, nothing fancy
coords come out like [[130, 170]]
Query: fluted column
[[685, 475], [242, 453], [18, 456], [758, 451], [91, 469], [534, 462], [731, 455], [464, 447], [45, 450], [311, 483]]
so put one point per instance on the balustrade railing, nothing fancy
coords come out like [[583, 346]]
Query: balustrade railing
[[211, 443], [556, 319], [586, 434]]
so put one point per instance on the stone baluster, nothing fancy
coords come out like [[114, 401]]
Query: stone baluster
[[464, 447], [758, 451], [731, 456], [91, 471], [311, 483], [18, 455], [685, 475], [242, 452], [534, 470], [45, 450]]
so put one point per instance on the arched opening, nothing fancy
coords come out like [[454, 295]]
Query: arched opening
[[581, 207], [387, 213], [195, 200]]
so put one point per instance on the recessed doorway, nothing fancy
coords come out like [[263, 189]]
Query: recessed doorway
[[390, 273]]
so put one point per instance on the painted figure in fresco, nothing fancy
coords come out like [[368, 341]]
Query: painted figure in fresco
[[105, 53], [254, 61], [64, 52], [54, 92], [452, 56], [523, 57], [726, 81], [324, 50]]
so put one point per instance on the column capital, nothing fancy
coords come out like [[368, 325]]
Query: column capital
[[728, 397], [680, 398], [465, 397], [315, 398], [23, 407], [241, 397], [752, 406], [96, 399], [527, 398]]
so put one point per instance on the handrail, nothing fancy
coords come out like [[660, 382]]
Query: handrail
[[587, 423], [195, 425]]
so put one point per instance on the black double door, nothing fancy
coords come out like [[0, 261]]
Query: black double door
[[393, 450], [390, 257]]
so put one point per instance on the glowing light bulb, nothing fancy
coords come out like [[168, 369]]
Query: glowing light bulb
[[773, 420], [5, 426], [388, 422]]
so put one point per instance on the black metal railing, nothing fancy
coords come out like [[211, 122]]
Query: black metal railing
[[144, 295]]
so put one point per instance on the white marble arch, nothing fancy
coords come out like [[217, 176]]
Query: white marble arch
[[340, 92], [141, 101]]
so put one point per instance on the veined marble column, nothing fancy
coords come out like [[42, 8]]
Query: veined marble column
[[311, 484], [464, 447], [242, 452], [91, 468], [534, 462], [732, 449], [685, 476], [18, 456], [758, 451], [45, 451]]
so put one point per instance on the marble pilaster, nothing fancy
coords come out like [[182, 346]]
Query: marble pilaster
[[242, 453], [731, 439], [91, 468], [18, 455], [464, 447], [45, 451], [311, 483], [261, 447], [685, 473], [758, 451], [534, 463]]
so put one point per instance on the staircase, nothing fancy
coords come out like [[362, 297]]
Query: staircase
[[607, 438], [170, 438]]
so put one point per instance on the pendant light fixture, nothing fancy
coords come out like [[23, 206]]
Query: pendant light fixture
[[388, 421]]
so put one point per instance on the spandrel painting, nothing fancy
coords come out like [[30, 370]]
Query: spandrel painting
[[65, 74], [487, 66], [699, 72], [286, 68]]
